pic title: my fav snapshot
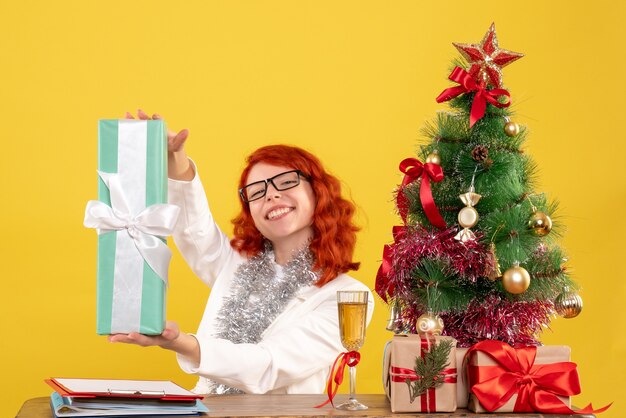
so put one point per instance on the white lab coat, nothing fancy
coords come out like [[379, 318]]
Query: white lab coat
[[296, 350]]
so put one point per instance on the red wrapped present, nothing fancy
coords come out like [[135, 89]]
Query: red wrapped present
[[528, 379], [419, 373]]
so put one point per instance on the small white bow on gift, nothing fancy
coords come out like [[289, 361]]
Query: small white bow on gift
[[144, 228]]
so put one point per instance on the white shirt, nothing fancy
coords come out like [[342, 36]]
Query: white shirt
[[296, 350]]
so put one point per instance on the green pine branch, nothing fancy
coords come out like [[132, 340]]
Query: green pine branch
[[437, 288], [429, 369]]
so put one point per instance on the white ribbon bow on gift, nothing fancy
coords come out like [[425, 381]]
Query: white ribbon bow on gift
[[144, 228]]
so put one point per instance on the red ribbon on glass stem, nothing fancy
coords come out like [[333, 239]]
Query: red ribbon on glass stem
[[413, 169], [351, 359], [537, 385], [467, 84]]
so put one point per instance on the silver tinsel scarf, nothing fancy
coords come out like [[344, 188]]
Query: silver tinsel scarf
[[258, 296]]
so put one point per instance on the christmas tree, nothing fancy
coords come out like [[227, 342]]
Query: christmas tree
[[476, 257]]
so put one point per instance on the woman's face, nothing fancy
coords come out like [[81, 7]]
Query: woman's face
[[284, 217]]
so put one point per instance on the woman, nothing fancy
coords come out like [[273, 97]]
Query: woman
[[270, 324]]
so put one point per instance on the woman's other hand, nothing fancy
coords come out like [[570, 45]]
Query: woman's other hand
[[171, 339], [165, 340]]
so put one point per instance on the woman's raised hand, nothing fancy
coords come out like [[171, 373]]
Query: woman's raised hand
[[178, 165], [175, 140]]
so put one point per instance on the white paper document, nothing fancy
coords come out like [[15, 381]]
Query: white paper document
[[129, 387]]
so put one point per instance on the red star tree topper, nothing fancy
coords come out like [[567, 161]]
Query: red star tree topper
[[487, 58]]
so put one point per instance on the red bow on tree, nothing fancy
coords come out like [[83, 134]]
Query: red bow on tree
[[467, 85], [383, 285], [537, 386], [413, 169]]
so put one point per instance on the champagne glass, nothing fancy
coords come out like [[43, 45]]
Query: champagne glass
[[352, 307]]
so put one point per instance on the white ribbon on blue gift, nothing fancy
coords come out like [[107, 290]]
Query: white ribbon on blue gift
[[144, 228]]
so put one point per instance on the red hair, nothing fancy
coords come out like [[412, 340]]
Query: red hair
[[334, 233]]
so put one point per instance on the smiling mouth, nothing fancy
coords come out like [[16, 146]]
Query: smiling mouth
[[276, 213]]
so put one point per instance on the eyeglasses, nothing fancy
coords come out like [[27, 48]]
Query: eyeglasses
[[283, 181]]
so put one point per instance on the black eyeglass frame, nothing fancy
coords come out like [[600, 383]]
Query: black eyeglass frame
[[266, 182]]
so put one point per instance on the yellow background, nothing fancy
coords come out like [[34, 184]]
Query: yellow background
[[351, 81]]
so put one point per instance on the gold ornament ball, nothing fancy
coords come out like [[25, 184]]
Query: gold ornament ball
[[516, 280], [568, 304], [429, 323], [540, 223], [433, 158], [511, 128]]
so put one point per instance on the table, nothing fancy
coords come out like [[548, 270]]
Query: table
[[291, 406]]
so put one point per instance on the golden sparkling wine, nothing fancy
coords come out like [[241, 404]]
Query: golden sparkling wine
[[352, 310], [352, 324]]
